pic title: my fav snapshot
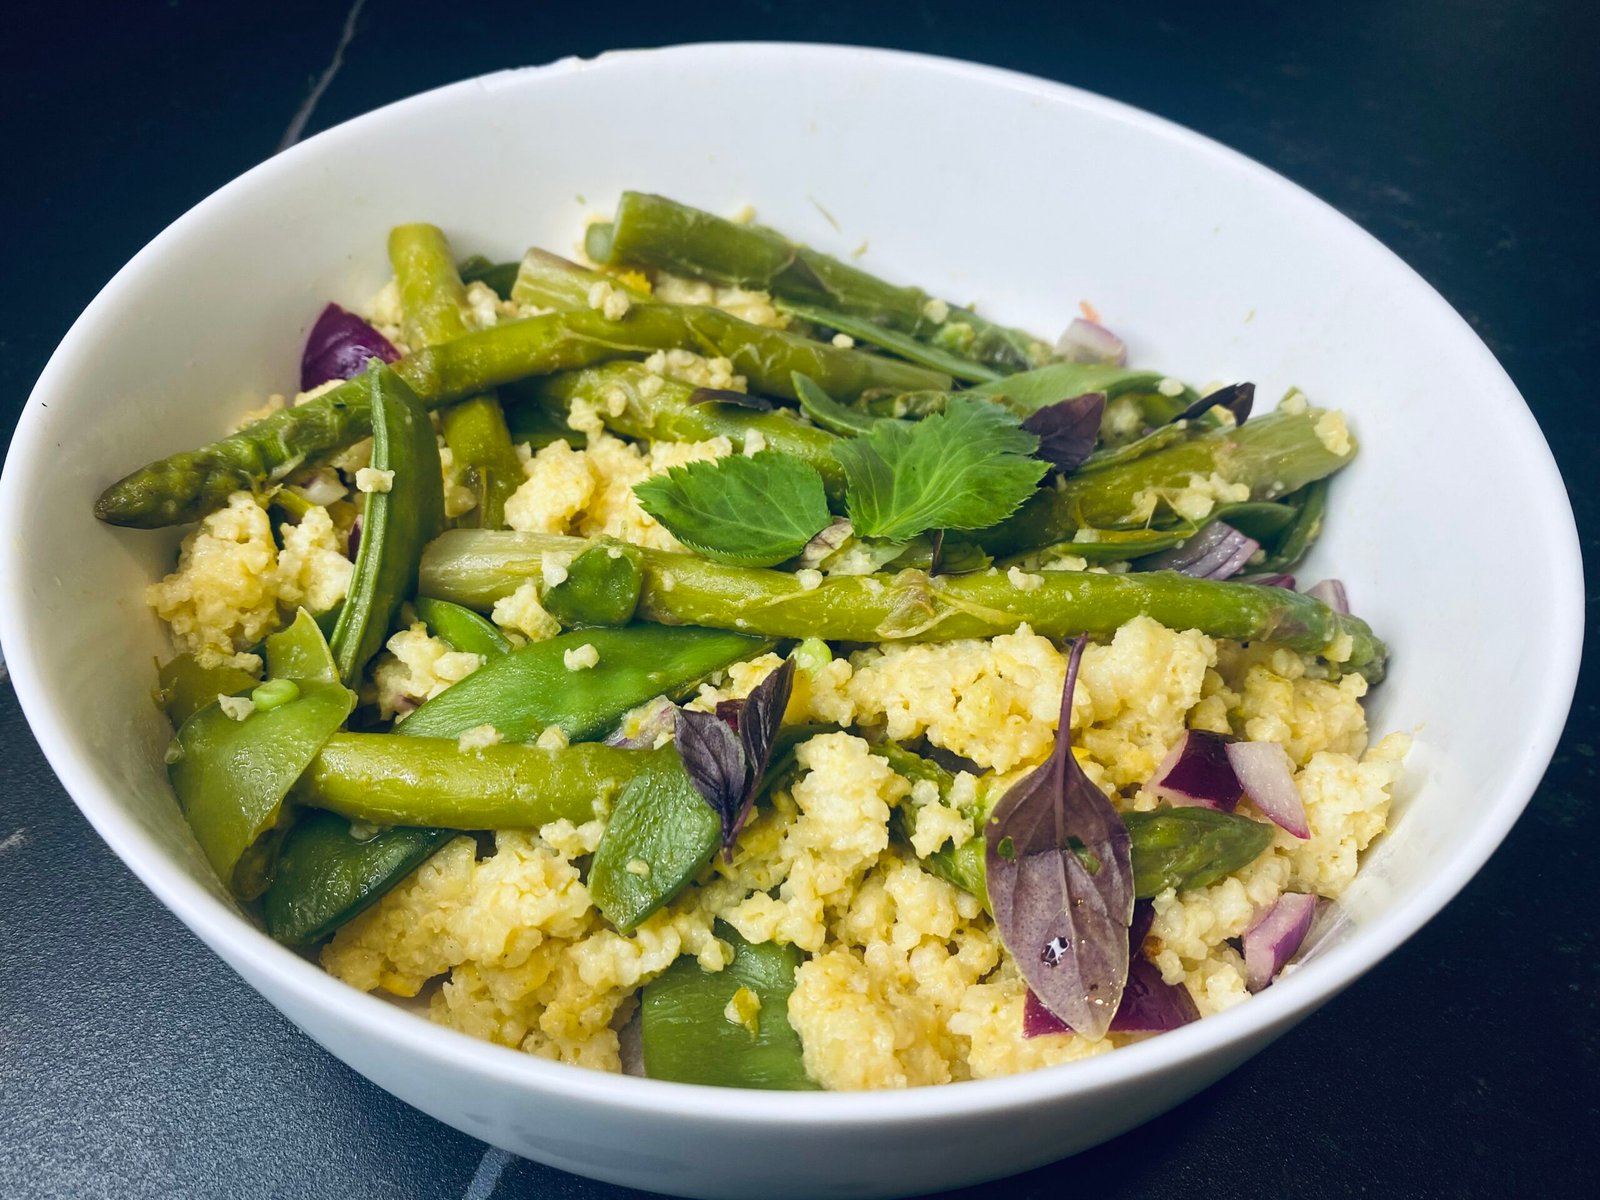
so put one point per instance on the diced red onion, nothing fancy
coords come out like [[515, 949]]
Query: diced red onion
[[1198, 771], [352, 542], [1330, 592], [1219, 551], [1087, 342], [1267, 776], [1275, 936], [339, 346], [323, 486], [1149, 1003], [1277, 580]]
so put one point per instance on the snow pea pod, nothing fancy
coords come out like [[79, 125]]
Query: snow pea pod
[[231, 774], [464, 629], [524, 692], [184, 687], [688, 1035], [662, 832], [601, 587], [395, 524], [325, 875], [658, 837]]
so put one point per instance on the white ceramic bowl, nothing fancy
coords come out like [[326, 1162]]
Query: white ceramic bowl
[[1211, 266]]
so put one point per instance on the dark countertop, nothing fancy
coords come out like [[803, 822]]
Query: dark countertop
[[1460, 132]]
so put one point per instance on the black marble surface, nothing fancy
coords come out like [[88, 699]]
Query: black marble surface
[[1460, 132]]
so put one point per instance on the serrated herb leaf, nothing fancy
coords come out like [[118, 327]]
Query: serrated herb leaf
[[969, 467], [1068, 430], [1065, 925], [726, 753], [750, 512]]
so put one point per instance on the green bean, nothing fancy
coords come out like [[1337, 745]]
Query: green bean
[[395, 524], [464, 629]]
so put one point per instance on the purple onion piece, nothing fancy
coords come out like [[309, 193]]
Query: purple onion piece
[[1271, 579], [1330, 592], [1197, 772], [1149, 1003], [1085, 341], [1267, 776], [654, 718], [1275, 936], [1219, 551], [352, 543], [339, 346]]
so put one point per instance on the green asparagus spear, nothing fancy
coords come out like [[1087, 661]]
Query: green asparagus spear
[[434, 303], [477, 567], [656, 232], [1272, 455], [658, 408], [186, 486], [546, 280], [427, 781]]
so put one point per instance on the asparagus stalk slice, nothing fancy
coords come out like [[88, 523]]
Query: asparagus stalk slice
[[427, 781], [656, 232], [478, 567], [434, 302], [185, 486], [663, 409], [1271, 455]]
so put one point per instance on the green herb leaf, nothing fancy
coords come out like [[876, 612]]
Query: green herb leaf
[[968, 467], [750, 512]]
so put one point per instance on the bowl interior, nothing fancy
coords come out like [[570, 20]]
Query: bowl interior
[[1212, 269]]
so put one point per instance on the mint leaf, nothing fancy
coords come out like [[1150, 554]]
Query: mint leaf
[[968, 467], [750, 512]]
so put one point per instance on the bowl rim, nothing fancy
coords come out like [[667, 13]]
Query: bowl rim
[[414, 1035]]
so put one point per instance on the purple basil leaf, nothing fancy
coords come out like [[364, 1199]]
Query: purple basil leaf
[[1237, 398], [758, 727], [339, 346], [1067, 430], [1149, 1003], [1066, 928], [714, 760], [705, 395]]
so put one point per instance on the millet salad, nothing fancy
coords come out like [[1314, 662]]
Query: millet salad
[[718, 663]]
